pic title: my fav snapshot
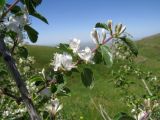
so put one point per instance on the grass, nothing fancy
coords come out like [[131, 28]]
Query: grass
[[80, 103]]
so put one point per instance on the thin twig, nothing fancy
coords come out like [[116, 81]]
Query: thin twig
[[104, 42], [9, 94], [8, 10]]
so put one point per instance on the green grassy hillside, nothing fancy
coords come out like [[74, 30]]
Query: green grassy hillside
[[80, 103], [149, 52]]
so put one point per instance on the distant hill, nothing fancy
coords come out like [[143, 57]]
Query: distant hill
[[149, 50], [154, 39]]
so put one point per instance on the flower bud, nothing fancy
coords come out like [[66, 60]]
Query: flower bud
[[118, 28], [143, 115], [123, 29], [147, 102], [74, 45], [94, 36], [109, 24]]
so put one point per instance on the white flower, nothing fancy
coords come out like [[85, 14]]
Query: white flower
[[31, 59], [20, 60], [103, 34], [16, 23], [26, 69], [63, 61], [156, 104], [55, 106], [95, 36], [133, 111], [75, 45], [147, 102], [86, 54], [67, 62], [19, 20], [13, 26], [6, 113], [57, 61], [154, 78], [143, 115]]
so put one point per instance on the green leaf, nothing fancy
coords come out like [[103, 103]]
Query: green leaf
[[32, 33], [53, 88], [131, 44], [87, 77], [64, 92], [15, 9], [3, 72], [106, 55], [23, 52], [38, 83], [60, 78], [29, 6], [98, 56], [2, 3], [12, 34], [36, 2], [39, 16], [32, 11], [65, 47], [123, 116], [36, 78], [101, 25]]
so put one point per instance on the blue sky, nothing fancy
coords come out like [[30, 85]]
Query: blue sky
[[75, 18]]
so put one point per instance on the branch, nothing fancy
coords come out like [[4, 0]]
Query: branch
[[104, 42], [8, 93], [10, 7], [17, 78]]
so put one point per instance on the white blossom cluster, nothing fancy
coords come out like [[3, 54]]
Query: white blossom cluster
[[12, 110], [85, 54], [120, 51], [17, 22], [24, 64], [54, 106], [146, 111], [65, 61]]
